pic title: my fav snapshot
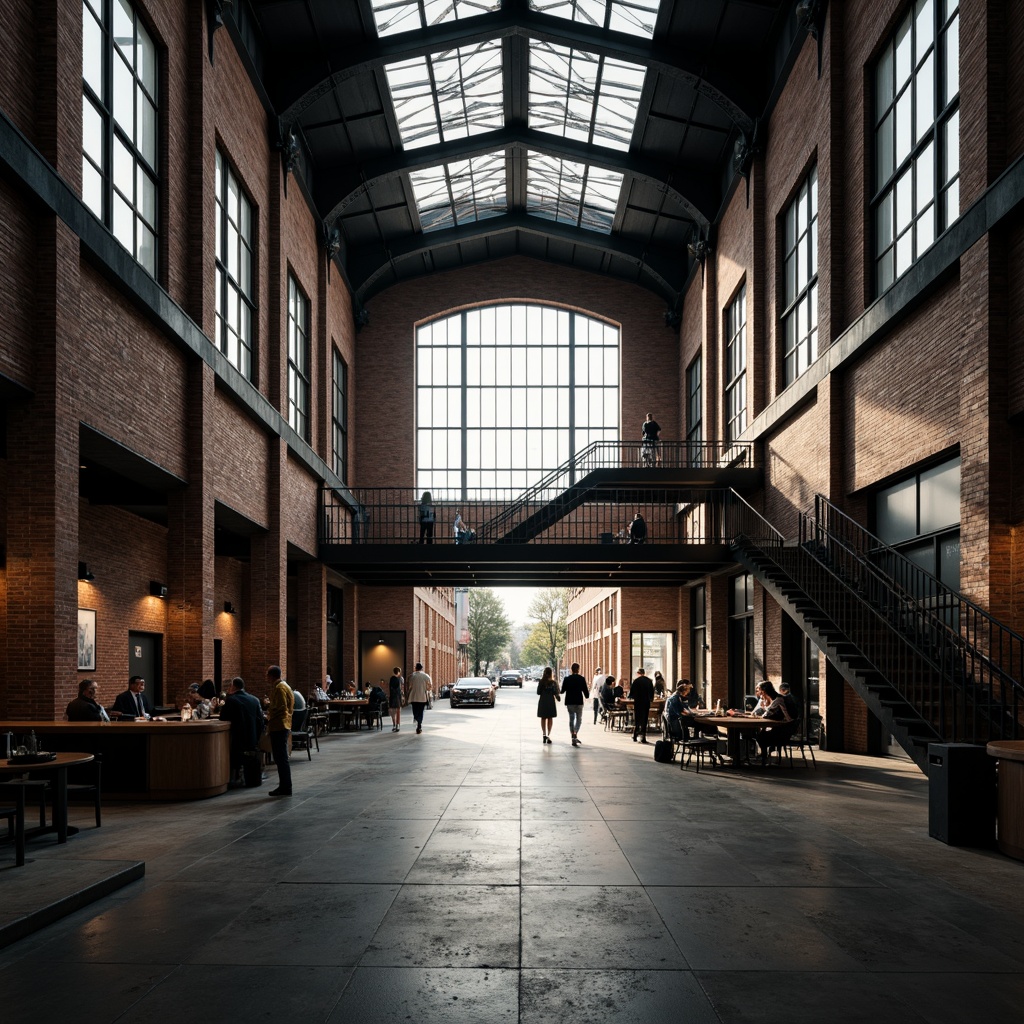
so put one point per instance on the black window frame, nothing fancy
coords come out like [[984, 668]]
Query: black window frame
[[299, 387]]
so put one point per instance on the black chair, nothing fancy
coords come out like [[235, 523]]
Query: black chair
[[87, 780], [799, 741], [701, 745], [672, 729], [303, 737], [375, 714], [778, 738], [15, 815]]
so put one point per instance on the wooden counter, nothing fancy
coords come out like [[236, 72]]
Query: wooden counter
[[1010, 813], [145, 760]]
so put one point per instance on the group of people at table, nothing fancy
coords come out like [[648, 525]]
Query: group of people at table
[[685, 712]]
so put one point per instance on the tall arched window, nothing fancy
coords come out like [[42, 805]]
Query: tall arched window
[[505, 394]]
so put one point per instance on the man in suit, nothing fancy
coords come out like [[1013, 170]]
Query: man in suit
[[133, 703], [245, 713], [85, 707], [642, 692]]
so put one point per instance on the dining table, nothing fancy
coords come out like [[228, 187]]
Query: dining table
[[738, 728], [345, 707], [626, 703], [59, 766]]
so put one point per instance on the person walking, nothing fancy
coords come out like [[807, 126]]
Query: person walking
[[574, 686], [396, 697], [595, 688], [419, 694], [642, 692], [547, 710], [279, 725]]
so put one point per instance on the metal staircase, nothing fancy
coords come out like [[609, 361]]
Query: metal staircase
[[932, 666]]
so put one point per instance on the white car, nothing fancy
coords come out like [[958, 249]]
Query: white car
[[473, 690]]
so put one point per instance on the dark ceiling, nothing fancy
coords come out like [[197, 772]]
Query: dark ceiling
[[708, 77]]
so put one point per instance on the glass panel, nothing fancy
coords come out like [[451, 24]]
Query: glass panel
[[92, 187], [92, 131], [92, 52], [896, 512], [393, 16], [904, 53], [904, 127], [124, 29], [885, 150], [924, 88], [124, 94], [124, 169], [635, 17], [940, 497], [949, 561], [951, 47]]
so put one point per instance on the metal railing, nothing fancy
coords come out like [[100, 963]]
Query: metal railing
[[390, 515], [979, 661]]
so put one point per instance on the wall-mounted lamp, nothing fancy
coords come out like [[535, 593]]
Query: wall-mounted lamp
[[83, 573], [157, 589], [380, 640], [229, 608]]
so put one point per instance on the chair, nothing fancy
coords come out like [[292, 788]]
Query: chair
[[613, 717], [800, 742], [303, 736], [673, 732], [375, 714], [778, 738], [86, 780], [15, 815], [702, 746], [317, 718]]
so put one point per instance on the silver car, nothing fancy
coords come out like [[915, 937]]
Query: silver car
[[473, 690]]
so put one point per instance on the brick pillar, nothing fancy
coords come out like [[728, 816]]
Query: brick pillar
[[190, 549], [42, 498], [268, 583], [311, 614], [348, 665], [718, 638]]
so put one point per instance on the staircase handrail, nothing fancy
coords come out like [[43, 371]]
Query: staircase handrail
[[939, 595]]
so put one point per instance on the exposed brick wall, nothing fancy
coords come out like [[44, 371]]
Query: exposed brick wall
[[17, 286], [18, 62]]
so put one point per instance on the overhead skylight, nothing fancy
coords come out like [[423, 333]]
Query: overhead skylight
[[637, 17], [444, 96], [394, 16], [460, 192], [571, 193], [583, 96]]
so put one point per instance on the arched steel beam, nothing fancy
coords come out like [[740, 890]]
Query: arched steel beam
[[351, 60], [368, 263], [691, 191]]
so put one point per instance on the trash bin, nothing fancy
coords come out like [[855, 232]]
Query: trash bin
[[961, 794]]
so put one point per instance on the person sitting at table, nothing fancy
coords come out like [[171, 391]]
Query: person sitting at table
[[352, 690], [201, 708], [208, 690], [659, 685], [85, 707], [608, 694], [134, 703], [620, 688], [320, 694], [335, 689], [774, 710], [792, 705]]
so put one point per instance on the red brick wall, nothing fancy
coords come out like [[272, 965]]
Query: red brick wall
[[17, 286]]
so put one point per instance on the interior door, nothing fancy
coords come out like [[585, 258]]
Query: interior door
[[145, 658]]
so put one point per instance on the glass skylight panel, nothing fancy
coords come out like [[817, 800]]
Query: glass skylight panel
[[451, 95], [635, 17], [460, 192], [394, 16], [572, 193], [583, 96]]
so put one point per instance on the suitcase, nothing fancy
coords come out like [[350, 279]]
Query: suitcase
[[663, 752]]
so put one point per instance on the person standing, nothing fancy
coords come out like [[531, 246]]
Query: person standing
[[244, 713], [650, 436], [642, 692], [419, 694], [637, 530], [574, 686], [460, 529], [396, 696], [595, 688], [279, 725], [426, 519], [547, 711]]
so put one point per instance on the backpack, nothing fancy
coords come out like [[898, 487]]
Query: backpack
[[663, 752]]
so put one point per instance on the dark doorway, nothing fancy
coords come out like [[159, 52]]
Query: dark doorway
[[741, 639], [218, 670], [145, 658]]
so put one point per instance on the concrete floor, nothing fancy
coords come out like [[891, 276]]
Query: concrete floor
[[474, 874]]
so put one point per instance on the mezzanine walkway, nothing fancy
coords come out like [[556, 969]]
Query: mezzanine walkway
[[474, 874]]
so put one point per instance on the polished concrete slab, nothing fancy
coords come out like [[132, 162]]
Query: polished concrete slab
[[472, 873]]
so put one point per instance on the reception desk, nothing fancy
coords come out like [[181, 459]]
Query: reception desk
[[145, 760]]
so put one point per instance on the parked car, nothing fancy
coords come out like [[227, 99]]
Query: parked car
[[473, 690], [511, 679]]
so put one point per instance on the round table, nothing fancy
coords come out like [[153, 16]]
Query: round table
[[59, 766]]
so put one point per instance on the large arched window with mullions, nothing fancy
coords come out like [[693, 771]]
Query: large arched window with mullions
[[505, 394]]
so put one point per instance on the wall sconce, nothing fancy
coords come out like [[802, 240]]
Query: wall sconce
[[380, 640], [83, 573], [157, 589], [229, 608]]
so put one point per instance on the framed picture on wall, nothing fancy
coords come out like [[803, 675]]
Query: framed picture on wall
[[86, 640]]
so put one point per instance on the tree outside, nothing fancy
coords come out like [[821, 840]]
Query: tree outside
[[549, 612], [489, 629]]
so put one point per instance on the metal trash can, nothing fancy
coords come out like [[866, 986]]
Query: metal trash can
[[961, 794]]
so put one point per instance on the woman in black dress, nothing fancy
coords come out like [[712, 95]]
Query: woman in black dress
[[547, 710]]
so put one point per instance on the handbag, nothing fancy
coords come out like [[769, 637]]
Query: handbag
[[263, 743]]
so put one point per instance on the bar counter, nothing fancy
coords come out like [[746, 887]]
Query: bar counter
[[144, 760]]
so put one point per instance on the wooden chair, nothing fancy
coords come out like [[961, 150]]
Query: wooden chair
[[87, 780]]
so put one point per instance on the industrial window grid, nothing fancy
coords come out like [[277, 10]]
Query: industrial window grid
[[298, 359], [736, 366], [917, 137], [235, 231], [120, 115], [800, 280], [339, 417]]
